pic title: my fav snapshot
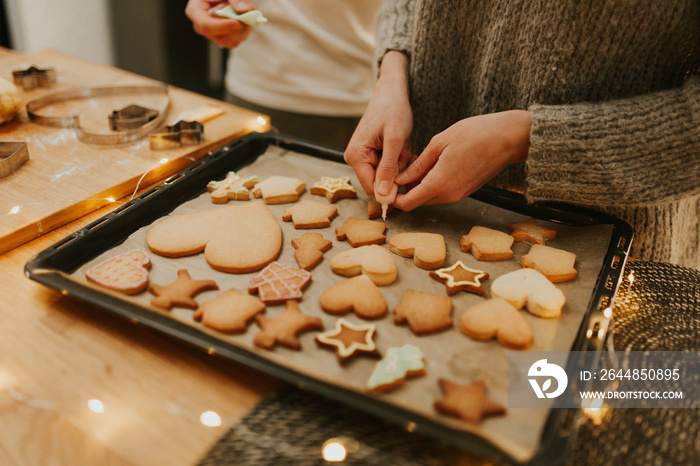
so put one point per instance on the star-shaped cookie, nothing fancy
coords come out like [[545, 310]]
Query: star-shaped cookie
[[468, 402], [284, 328], [180, 292], [459, 277], [349, 339], [334, 188], [531, 232]]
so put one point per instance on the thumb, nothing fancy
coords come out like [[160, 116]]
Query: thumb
[[241, 6]]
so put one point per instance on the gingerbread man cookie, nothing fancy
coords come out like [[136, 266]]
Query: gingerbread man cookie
[[349, 339], [180, 292], [310, 214], [486, 244], [284, 328], [232, 187], [126, 273], [459, 277], [334, 188]]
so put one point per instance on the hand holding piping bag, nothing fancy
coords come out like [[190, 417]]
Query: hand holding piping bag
[[385, 196]]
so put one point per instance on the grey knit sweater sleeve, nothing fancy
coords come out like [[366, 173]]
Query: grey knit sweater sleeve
[[394, 28], [634, 151]]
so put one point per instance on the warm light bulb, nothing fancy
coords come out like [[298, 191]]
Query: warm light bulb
[[110, 199], [210, 419], [261, 121], [334, 452], [631, 277], [96, 406], [163, 161], [607, 312], [14, 210]]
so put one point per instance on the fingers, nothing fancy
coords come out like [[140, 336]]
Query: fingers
[[224, 32], [362, 159], [419, 166]]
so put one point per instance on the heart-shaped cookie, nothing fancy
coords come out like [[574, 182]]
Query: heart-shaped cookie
[[127, 272], [237, 239], [496, 318], [427, 249], [358, 294], [373, 261], [529, 288]]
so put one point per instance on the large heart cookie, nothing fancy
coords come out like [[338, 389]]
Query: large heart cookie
[[237, 239], [496, 318], [529, 288], [373, 261], [427, 249]]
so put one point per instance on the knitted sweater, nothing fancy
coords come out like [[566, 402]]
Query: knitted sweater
[[612, 86]]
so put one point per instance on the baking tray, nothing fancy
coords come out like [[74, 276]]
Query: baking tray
[[60, 267]]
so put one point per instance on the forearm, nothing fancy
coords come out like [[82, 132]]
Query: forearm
[[640, 150]]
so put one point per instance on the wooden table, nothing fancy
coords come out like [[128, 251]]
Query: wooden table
[[57, 354]]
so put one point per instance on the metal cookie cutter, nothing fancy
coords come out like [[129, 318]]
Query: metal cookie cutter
[[73, 121], [34, 77], [130, 117], [12, 156], [182, 133]]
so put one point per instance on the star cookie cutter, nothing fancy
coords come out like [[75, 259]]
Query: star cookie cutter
[[12, 156], [130, 117], [34, 77], [182, 133], [73, 121]]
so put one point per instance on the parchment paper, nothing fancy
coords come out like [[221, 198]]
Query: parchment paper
[[447, 354]]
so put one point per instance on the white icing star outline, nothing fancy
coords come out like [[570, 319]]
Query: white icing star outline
[[346, 351], [443, 273]]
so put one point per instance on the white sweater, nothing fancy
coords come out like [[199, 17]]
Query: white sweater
[[312, 56]]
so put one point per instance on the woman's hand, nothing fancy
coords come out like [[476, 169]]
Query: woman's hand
[[464, 157], [227, 33], [378, 146]]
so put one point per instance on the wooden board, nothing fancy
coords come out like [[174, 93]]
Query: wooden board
[[65, 178]]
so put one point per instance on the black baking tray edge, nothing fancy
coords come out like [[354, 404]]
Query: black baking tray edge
[[53, 266]]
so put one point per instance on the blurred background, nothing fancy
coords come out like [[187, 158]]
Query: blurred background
[[153, 38]]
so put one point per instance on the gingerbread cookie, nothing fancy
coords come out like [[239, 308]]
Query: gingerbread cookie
[[468, 402], [459, 277], [361, 232], [180, 292], [229, 312], [284, 328], [279, 189], [496, 318], [529, 288], [374, 209], [427, 249], [349, 339], [425, 312], [395, 367], [232, 187], [373, 261], [334, 188], [358, 294], [309, 249], [279, 282], [310, 214], [126, 272], [531, 232], [237, 239], [486, 244], [555, 264]]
